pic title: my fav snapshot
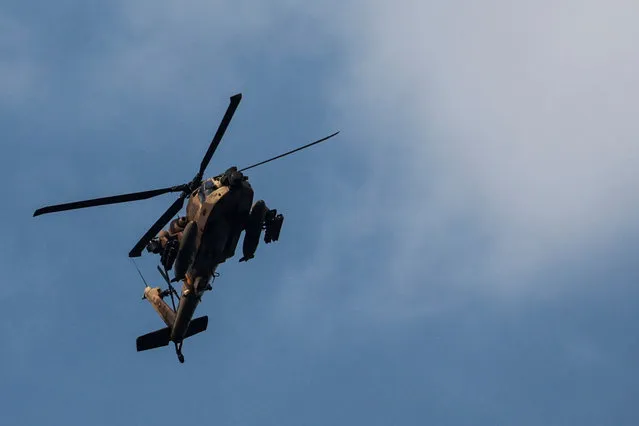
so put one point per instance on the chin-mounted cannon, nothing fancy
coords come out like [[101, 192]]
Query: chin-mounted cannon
[[260, 218]]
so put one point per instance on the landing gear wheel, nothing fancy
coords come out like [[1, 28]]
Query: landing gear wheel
[[178, 352], [253, 230]]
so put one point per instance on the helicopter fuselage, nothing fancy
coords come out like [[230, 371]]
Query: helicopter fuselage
[[216, 215], [218, 210]]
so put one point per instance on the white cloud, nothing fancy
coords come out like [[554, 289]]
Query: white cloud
[[498, 136], [513, 122]]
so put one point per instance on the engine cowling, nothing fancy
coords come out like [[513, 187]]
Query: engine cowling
[[186, 253]]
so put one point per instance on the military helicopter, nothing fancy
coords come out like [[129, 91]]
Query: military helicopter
[[218, 210]]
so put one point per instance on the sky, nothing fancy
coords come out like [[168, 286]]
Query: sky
[[463, 253]]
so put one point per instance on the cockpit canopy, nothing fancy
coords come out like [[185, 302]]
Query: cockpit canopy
[[207, 188]]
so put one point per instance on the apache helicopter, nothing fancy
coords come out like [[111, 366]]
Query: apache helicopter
[[218, 210]]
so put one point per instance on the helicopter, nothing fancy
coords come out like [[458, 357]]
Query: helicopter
[[218, 210]]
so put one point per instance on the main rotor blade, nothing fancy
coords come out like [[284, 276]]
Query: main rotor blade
[[234, 102], [157, 226], [289, 152], [107, 200]]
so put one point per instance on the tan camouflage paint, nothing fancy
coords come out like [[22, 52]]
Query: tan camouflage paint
[[160, 306]]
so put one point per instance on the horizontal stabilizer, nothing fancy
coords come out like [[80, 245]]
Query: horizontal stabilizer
[[155, 339], [197, 325], [162, 337]]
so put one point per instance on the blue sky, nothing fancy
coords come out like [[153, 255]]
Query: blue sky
[[464, 252]]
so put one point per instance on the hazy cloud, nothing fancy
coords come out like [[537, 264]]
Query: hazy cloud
[[525, 114], [18, 69], [500, 139]]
